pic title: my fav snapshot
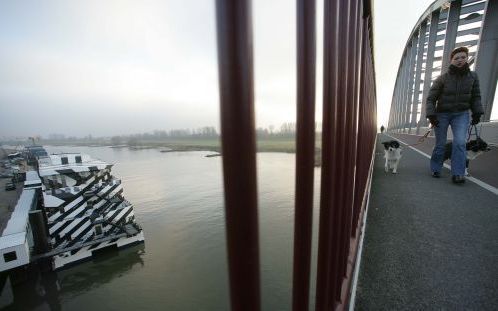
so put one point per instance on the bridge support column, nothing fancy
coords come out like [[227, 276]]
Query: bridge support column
[[451, 33], [394, 108], [394, 104], [418, 72], [402, 91], [431, 47], [487, 55], [409, 90]]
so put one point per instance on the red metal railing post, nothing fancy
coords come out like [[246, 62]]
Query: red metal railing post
[[346, 140], [235, 62], [348, 136], [340, 151], [305, 151], [329, 166], [363, 136], [350, 144]]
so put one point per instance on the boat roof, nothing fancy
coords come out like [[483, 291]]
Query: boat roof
[[14, 233], [36, 150], [16, 226], [11, 240], [32, 179], [56, 164]]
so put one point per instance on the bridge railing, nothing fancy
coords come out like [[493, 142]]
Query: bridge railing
[[348, 137]]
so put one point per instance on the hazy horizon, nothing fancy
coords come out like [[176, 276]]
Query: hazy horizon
[[124, 67]]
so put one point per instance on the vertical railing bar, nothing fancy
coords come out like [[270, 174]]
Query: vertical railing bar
[[235, 63], [305, 151], [340, 150], [363, 124], [357, 128], [367, 88], [360, 114], [346, 82], [329, 167], [350, 141], [373, 93], [371, 131], [359, 181]]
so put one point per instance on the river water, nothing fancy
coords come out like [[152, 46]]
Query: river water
[[178, 200]]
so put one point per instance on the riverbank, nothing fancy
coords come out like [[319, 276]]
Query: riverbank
[[281, 144], [266, 144]]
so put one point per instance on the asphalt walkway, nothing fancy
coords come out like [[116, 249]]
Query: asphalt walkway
[[484, 168], [429, 244]]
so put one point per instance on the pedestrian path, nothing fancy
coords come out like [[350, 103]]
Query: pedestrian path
[[483, 168], [429, 244]]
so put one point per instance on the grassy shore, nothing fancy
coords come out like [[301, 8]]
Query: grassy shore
[[266, 144]]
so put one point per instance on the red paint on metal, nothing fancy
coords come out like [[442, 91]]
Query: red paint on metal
[[235, 61], [305, 151], [329, 167], [348, 138]]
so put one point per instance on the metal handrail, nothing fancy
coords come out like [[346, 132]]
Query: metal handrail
[[349, 131]]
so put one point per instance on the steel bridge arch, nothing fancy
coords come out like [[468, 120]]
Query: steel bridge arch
[[444, 26]]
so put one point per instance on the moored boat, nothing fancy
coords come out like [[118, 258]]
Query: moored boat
[[84, 207]]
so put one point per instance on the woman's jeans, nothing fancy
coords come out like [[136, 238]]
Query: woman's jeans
[[459, 122]]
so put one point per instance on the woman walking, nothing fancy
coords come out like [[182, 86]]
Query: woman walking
[[450, 98]]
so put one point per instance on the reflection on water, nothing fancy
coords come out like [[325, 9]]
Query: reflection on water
[[46, 290], [100, 270], [178, 199]]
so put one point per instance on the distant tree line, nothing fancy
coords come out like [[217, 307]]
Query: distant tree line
[[287, 129], [158, 135]]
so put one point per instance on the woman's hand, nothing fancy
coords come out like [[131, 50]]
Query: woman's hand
[[433, 120], [476, 118]]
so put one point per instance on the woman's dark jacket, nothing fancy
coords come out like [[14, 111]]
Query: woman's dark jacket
[[455, 91]]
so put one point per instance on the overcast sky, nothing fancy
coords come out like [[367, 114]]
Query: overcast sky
[[121, 67]]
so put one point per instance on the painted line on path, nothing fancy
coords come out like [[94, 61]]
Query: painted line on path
[[469, 178]]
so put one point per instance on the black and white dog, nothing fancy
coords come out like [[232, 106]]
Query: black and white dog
[[474, 148], [392, 154]]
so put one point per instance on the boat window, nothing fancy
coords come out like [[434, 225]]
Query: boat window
[[64, 160], [98, 229], [10, 256]]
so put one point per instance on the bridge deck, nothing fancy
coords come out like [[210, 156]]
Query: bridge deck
[[430, 244]]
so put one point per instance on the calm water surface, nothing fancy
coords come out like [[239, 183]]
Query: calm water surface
[[178, 199]]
